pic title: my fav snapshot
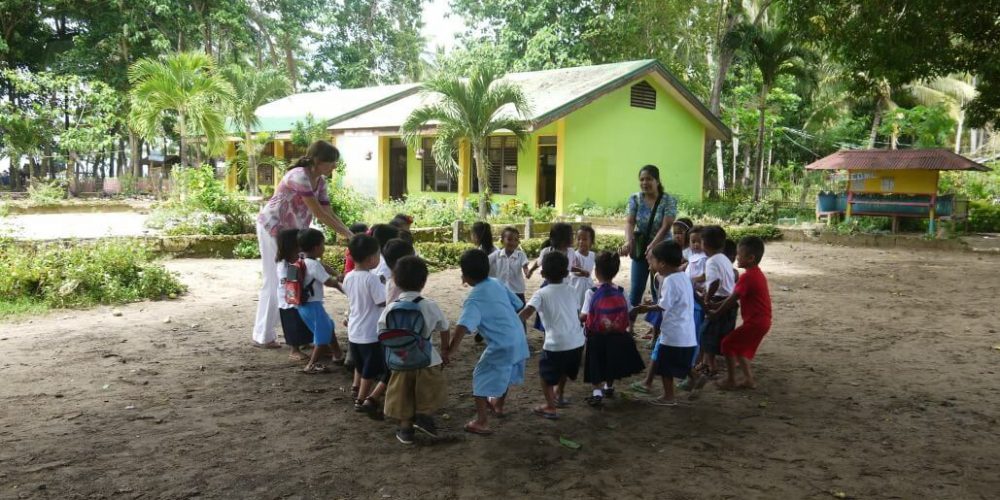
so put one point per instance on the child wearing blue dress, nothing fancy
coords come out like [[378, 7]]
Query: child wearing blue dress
[[490, 309]]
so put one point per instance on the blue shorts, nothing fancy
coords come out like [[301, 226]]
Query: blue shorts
[[490, 380], [318, 321]]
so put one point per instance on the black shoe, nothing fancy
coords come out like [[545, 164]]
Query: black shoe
[[425, 424], [404, 436], [609, 392]]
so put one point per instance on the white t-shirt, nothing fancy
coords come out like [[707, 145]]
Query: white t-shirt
[[383, 269], [686, 253], [677, 302], [317, 276], [560, 312], [509, 269], [570, 255], [696, 267], [434, 320], [582, 283], [365, 291], [281, 270], [719, 268]]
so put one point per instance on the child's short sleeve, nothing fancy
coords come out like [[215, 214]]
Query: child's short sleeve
[[522, 259], [376, 290], [316, 271], [587, 297], [514, 299], [438, 322], [471, 317], [535, 301]]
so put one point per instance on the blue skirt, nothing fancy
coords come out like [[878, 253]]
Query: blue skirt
[[318, 321]]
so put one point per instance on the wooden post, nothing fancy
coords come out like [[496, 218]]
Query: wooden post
[[529, 228], [457, 234], [933, 214]]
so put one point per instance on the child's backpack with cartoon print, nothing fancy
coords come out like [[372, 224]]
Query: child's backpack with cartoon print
[[295, 274], [608, 311], [401, 338]]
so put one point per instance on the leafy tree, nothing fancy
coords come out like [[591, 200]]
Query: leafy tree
[[252, 88], [468, 110], [184, 86], [774, 52], [305, 132]]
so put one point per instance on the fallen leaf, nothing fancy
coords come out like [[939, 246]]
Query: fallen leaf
[[569, 443]]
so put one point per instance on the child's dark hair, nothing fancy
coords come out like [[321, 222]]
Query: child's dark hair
[[685, 224], [669, 252], [358, 228], [405, 236], [713, 237], [729, 250], [510, 229], [561, 235], [589, 230], [484, 236], [555, 267], [606, 265], [475, 265], [695, 230], [288, 245], [754, 246], [382, 234], [410, 273], [362, 247], [310, 238], [396, 249], [401, 220]]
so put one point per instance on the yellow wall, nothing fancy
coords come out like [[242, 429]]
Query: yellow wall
[[894, 181]]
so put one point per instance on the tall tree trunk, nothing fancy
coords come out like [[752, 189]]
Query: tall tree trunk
[[720, 172], [483, 172], [745, 180], [183, 143], [759, 176], [290, 66], [736, 151], [958, 132], [251, 152], [135, 155]]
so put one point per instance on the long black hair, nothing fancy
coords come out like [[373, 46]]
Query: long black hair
[[653, 172], [318, 152], [484, 236], [288, 245]]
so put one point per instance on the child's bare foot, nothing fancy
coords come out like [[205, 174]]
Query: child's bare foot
[[298, 356], [496, 407], [474, 427], [660, 401]]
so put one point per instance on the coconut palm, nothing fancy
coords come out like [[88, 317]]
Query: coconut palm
[[252, 88], [952, 91], [469, 110], [774, 52], [183, 86]]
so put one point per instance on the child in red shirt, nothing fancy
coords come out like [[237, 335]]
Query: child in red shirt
[[754, 299]]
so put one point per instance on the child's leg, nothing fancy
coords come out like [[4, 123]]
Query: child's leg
[[748, 380], [338, 353], [668, 388], [549, 392], [296, 353], [499, 402], [482, 413], [731, 370], [561, 390], [365, 388], [319, 351]]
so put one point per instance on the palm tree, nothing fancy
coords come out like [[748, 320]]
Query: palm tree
[[469, 110], [954, 91], [185, 86], [252, 89], [774, 52]]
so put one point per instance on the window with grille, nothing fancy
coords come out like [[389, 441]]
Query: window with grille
[[502, 152], [434, 179], [643, 96]]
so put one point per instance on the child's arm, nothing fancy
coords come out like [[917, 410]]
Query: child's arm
[[445, 345], [524, 269], [710, 292], [534, 265], [526, 312], [335, 284], [724, 306], [641, 309], [456, 339]]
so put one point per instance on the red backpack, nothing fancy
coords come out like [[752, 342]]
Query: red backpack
[[295, 274], [608, 310]]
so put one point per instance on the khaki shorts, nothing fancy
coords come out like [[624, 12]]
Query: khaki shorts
[[411, 392]]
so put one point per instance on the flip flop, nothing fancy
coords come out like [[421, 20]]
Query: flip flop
[[274, 344], [638, 387], [662, 402], [315, 369], [547, 415], [473, 430]]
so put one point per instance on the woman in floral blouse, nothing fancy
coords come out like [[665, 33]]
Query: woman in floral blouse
[[300, 196]]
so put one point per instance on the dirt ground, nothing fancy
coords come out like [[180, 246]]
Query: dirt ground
[[878, 380]]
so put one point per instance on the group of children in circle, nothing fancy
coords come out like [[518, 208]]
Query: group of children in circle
[[584, 316]]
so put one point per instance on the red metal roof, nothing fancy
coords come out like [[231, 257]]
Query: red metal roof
[[896, 159]]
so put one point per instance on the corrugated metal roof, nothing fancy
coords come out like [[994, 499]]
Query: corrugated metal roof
[[328, 105], [553, 94], [896, 159]]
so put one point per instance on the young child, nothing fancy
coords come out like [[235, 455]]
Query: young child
[[413, 395], [366, 299], [678, 341], [719, 282], [563, 346], [393, 250], [297, 333], [560, 240], [583, 264], [356, 228], [490, 308], [382, 234], [679, 231], [740, 346], [312, 243], [510, 265], [611, 353], [696, 260], [402, 222], [482, 237]]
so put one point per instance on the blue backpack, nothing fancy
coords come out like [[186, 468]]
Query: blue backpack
[[405, 347]]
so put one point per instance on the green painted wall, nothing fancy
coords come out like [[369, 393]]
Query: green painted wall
[[608, 141]]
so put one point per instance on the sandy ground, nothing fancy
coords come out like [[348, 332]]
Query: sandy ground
[[878, 380], [74, 225]]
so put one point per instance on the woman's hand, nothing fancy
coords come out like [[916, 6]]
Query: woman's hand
[[626, 249]]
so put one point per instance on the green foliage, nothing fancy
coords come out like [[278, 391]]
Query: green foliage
[[442, 255], [200, 204], [928, 126], [84, 274], [751, 212], [305, 132], [972, 185], [514, 208], [246, 249], [984, 217], [765, 232], [46, 192], [590, 208]]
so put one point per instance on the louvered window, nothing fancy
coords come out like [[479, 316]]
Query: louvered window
[[643, 96], [434, 179], [502, 152]]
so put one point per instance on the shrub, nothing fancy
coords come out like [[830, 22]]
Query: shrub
[[984, 217], [442, 255], [200, 204], [590, 208], [514, 208], [765, 232], [750, 212], [46, 192], [84, 274], [246, 249]]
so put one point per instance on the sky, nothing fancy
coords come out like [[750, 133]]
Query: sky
[[440, 26]]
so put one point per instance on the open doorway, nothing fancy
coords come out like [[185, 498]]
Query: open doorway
[[397, 169], [546, 171]]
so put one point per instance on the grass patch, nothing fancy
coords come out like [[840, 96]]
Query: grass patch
[[21, 306]]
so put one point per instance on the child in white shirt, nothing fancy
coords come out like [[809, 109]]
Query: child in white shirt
[[563, 348], [583, 263], [509, 265], [366, 299], [720, 278]]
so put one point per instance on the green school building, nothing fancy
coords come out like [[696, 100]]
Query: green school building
[[591, 129]]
